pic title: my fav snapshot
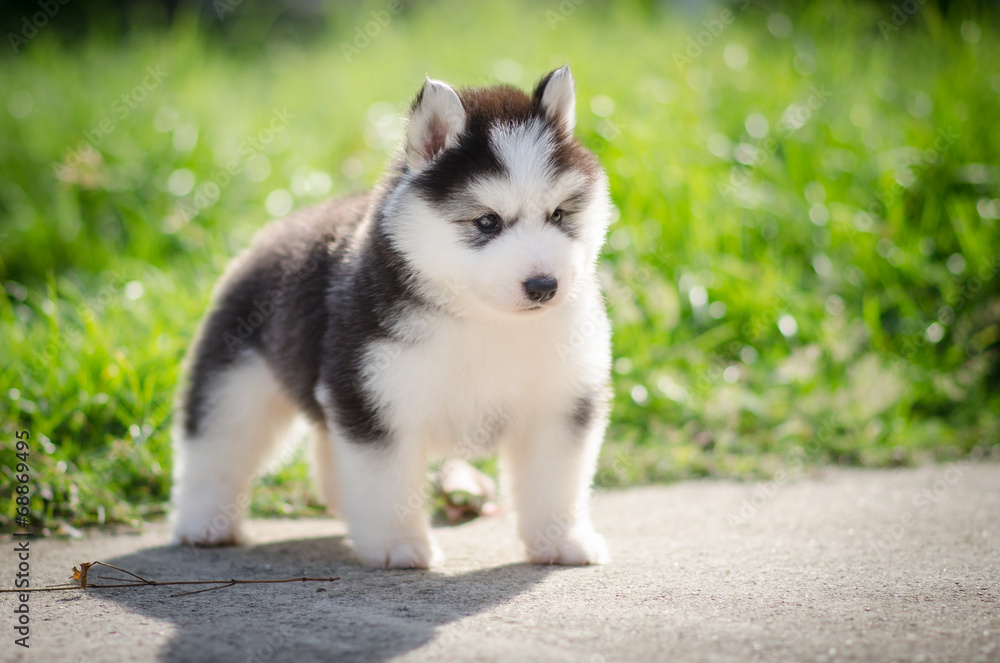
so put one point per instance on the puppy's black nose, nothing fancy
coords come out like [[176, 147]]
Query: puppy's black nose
[[541, 289]]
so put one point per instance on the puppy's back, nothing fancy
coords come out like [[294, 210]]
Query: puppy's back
[[279, 283]]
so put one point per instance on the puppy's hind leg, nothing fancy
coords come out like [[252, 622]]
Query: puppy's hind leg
[[324, 468], [241, 414]]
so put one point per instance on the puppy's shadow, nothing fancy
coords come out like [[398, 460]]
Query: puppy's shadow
[[367, 615]]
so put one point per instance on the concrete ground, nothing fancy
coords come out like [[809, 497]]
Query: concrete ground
[[847, 565]]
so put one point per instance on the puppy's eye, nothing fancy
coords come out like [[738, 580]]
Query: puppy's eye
[[557, 216], [488, 223]]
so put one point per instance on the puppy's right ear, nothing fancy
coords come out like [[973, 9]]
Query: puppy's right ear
[[556, 96], [436, 120]]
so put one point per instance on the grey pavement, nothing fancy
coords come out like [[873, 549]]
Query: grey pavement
[[842, 565]]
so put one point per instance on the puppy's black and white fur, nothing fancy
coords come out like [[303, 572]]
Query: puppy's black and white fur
[[455, 310]]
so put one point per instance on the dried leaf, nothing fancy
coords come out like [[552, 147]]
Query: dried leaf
[[80, 574]]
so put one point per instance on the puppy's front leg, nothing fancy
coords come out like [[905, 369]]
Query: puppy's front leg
[[382, 490], [552, 466]]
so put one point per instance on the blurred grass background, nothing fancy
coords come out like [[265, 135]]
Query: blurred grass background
[[804, 270]]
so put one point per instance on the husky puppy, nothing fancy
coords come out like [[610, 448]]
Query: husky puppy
[[454, 311]]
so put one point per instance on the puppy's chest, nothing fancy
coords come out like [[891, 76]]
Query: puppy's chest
[[468, 383]]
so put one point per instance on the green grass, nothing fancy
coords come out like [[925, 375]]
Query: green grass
[[830, 228]]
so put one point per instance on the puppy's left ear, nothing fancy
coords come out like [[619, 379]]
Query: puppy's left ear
[[436, 120], [556, 96]]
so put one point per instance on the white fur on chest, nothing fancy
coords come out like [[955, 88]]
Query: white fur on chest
[[465, 385]]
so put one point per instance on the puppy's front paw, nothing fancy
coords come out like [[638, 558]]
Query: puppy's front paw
[[576, 548], [222, 532], [404, 554]]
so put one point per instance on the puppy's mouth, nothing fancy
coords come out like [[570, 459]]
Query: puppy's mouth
[[535, 308]]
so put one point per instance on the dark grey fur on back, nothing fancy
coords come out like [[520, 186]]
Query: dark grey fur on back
[[298, 299]]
